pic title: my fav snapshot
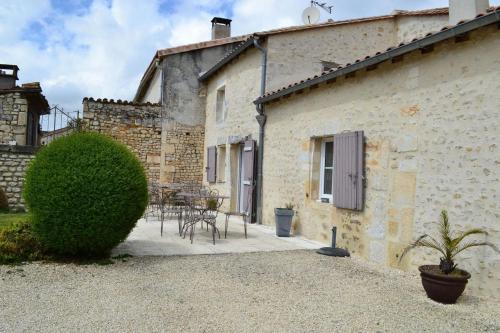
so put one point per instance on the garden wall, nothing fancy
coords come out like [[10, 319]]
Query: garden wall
[[14, 161], [137, 125]]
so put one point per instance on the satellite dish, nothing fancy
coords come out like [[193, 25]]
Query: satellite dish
[[310, 15]]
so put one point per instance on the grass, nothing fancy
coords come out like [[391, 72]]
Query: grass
[[7, 219]]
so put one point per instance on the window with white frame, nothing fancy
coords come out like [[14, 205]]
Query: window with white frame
[[326, 171], [220, 108]]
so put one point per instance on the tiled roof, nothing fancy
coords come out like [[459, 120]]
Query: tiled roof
[[223, 41], [228, 57], [197, 46], [118, 101], [491, 17]]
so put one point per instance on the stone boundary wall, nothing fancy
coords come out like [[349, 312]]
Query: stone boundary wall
[[137, 125], [14, 160]]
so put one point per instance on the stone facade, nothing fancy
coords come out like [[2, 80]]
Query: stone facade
[[183, 152], [136, 125], [13, 118], [20, 109], [291, 56], [431, 124], [14, 161]]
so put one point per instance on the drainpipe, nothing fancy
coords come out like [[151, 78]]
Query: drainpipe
[[261, 119]]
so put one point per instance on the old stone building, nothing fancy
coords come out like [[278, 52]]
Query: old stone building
[[172, 80], [290, 54], [429, 114], [20, 110]]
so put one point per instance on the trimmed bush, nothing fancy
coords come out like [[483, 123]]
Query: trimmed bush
[[4, 204], [85, 192]]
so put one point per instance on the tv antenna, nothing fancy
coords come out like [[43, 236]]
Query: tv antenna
[[311, 15]]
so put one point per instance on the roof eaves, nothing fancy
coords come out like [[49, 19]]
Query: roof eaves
[[428, 40], [227, 58], [146, 78]]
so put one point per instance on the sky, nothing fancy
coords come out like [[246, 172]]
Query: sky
[[101, 48]]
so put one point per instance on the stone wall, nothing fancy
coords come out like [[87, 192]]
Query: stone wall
[[291, 56], [295, 56], [14, 161], [137, 125], [431, 124], [13, 118], [183, 149]]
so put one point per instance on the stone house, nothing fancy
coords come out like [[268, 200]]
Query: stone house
[[378, 147], [232, 135], [419, 120], [20, 110]]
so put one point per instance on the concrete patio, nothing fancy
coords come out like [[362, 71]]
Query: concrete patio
[[145, 240]]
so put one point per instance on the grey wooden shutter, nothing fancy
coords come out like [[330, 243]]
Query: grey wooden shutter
[[211, 164], [248, 159], [348, 165]]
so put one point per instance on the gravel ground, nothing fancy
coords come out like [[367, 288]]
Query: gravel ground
[[295, 291]]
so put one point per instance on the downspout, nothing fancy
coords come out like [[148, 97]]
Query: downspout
[[261, 119]]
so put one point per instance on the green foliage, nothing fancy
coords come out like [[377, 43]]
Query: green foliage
[[449, 246], [289, 206], [9, 219], [212, 204], [85, 192], [4, 204], [77, 125], [18, 243]]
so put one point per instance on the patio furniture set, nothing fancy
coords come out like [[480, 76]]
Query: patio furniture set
[[190, 205]]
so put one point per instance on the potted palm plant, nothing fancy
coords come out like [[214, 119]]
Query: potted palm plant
[[283, 218], [444, 283]]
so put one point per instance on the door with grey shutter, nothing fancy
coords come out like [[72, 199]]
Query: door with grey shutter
[[348, 159], [211, 164], [248, 177]]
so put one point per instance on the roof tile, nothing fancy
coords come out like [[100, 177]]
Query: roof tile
[[378, 53]]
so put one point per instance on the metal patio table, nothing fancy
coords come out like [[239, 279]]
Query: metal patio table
[[199, 210]]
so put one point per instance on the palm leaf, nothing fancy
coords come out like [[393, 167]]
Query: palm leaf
[[445, 234], [422, 242], [475, 231], [473, 244]]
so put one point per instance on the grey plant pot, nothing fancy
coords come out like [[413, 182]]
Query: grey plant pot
[[283, 219]]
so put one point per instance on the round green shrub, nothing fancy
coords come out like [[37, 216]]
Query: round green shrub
[[85, 192], [4, 203]]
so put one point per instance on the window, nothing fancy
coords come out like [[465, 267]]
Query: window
[[221, 164], [326, 171], [220, 108]]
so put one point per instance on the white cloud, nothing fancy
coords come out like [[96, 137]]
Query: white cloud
[[103, 50]]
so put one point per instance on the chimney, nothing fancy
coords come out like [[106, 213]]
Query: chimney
[[8, 76], [221, 28], [466, 9]]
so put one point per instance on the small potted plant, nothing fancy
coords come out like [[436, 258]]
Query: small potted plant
[[283, 217], [444, 283]]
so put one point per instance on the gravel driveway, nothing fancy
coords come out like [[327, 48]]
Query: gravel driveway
[[295, 291]]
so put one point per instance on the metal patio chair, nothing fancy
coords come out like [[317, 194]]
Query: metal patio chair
[[245, 215]]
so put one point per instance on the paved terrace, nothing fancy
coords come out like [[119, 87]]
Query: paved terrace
[[145, 240]]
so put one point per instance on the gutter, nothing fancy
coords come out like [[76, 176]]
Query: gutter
[[261, 119], [422, 43]]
